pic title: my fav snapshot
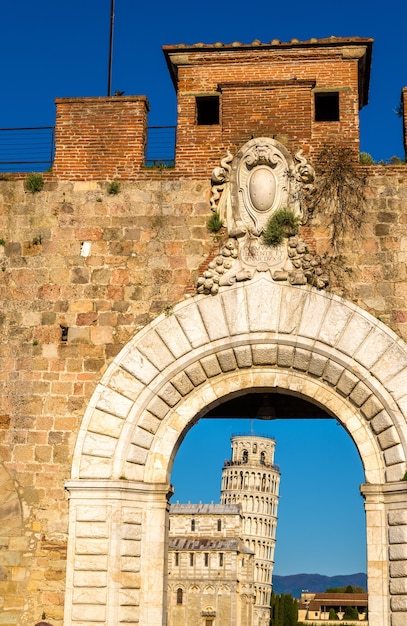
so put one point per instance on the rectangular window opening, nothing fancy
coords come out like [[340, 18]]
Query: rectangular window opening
[[327, 106], [207, 110], [206, 559]]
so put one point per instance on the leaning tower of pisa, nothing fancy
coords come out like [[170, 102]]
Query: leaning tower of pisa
[[252, 480]]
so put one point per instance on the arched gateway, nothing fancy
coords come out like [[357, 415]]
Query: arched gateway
[[257, 336]]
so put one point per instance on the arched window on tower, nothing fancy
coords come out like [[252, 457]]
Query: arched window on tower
[[245, 456], [192, 524], [262, 458], [219, 524], [180, 595]]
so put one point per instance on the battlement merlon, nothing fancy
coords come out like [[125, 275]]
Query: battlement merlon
[[100, 137]]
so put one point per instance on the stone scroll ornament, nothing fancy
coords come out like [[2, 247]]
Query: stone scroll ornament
[[247, 191]]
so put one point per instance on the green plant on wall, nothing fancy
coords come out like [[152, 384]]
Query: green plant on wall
[[34, 182], [214, 223], [113, 187], [366, 159], [283, 223]]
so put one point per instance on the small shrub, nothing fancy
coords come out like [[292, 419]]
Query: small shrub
[[2, 242], [396, 160], [37, 240], [214, 223], [280, 225], [366, 159], [34, 182], [113, 187]]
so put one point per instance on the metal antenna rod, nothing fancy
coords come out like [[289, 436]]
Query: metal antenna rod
[[109, 73]]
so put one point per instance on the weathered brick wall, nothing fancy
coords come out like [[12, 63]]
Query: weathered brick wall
[[102, 266], [100, 138], [264, 92]]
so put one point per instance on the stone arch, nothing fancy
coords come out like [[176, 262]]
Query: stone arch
[[254, 336]]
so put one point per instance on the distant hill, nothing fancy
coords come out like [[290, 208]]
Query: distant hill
[[296, 583]]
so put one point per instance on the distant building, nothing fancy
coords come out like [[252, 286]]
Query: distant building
[[221, 556], [315, 607]]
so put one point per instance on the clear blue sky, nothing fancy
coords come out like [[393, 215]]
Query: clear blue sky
[[54, 49]]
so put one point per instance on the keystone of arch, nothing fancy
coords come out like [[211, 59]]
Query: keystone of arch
[[257, 335]]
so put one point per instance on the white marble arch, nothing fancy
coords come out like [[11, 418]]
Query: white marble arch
[[254, 336]]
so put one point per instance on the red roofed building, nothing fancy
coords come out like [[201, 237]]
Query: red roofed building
[[315, 607]]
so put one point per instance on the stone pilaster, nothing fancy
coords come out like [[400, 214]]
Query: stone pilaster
[[386, 529], [116, 553]]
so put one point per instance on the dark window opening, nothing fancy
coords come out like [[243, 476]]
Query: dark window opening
[[191, 559], [192, 524], [220, 559], [245, 456], [206, 559], [207, 110], [327, 106], [176, 558], [179, 596], [219, 524]]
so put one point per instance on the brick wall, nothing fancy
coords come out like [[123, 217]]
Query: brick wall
[[266, 90], [262, 90], [100, 138]]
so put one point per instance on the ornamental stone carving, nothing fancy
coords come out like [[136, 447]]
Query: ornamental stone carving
[[247, 190]]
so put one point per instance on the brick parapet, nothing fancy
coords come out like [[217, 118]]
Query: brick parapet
[[100, 138]]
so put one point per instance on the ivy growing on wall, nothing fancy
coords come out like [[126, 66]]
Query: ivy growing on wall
[[339, 192]]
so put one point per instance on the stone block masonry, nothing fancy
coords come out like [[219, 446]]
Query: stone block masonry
[[143, 248]]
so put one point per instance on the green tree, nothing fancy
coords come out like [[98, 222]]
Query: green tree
[[333, 615], [284, 610], [351, 613]]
